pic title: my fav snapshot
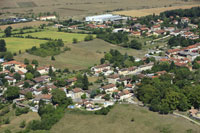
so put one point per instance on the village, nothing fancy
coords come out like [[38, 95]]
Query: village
[[164, 80]]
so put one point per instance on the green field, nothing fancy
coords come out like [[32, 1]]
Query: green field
[[16, 44], [66, 37], [119, 121], [82, 55]]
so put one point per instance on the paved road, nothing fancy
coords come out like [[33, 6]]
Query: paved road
[[187, 118]]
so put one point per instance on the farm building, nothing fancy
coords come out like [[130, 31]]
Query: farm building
[[104, 17]]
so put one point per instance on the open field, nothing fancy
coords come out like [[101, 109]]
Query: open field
[[80, 8], [81, 56], [119, 121], [157, 11], [15, 44], [66, 37], [16, 120], [26, 24]]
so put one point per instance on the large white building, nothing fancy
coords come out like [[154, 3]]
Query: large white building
[[104, 17]]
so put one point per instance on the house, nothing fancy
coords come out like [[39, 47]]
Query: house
[[42, 79], [100, 68], [44, 18], [45, 69], [145, 67], [120, 30], [73, 27], [156, 27], [175, 22], [175, 33], [170, 29], [185, 20], [75, 93], [129, 87], [18, 66], [110, 88], [190, 55], [124, 95], [22, 93], [136, 33], [45, 97], [11, 80], [124, 80], [159, 32], [71, 81], [112, 79]]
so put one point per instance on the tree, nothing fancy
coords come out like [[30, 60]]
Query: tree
[[53, 58], [107, 97], [59, 97], [22, 124], [102, 61], [30, 68], [17, 76], [45, 91], [36, 74], [11, 93], [50, 71], [83, 96], [135, 45], [85, 82], [8, 56], [35, 62], [3, 46], [75, 40], [29, 76], [29, 95], [8, 31], [26, 85], [26, 61]]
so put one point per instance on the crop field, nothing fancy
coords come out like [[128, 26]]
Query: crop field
[[157, 11], [16, 44], [66, 37], [21, 25], [119, 121], [80, 8], [82, 55]]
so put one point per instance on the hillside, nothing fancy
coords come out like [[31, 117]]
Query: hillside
[[119, 121]]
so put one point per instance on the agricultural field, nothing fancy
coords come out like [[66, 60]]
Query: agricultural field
[[21, 25], [15, 44], [119, 121], [82, 55], [66, 37], [80, 8], [156, 11]]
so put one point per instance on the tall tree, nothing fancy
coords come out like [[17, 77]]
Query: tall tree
[[8, 31], [85, 82], [3, 46]]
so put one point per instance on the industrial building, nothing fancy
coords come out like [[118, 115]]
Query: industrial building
[[104, 18]]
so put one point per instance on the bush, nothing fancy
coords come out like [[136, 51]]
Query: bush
[[88, 38], [22, 124], [4, 111], [6, 121], [103, 111], [20, 111]]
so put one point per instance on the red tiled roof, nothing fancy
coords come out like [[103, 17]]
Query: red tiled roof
[[108, 86]]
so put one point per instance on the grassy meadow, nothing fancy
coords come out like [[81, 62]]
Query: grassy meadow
[[66, 37], [15, 44], [82, 55], [15, 121], [119, 121]]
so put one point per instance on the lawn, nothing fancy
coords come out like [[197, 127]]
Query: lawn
[[66, 37], [82, 55], [119, 121], [16, 44]]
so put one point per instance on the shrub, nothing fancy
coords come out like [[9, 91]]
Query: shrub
[[20, 111], [22, 124]]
